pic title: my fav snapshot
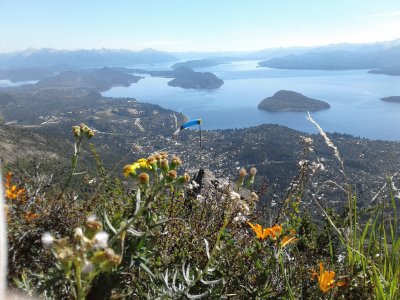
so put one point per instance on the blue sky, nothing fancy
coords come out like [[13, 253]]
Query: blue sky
[[191, 25]]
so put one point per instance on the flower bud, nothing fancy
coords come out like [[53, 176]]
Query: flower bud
[[144, 178], [164, 165], [185, 178], [163, 154], [93, 226], [109, 253], [90, 133], [171, 176], [250, 180], [242, 174], [152, 161], [253, 197], [78, 235], [65, 254], [76, 131], [175, 162]]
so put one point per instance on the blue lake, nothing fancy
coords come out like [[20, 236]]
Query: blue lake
[[353, 95]]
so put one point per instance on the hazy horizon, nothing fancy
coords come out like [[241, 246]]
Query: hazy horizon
[[183, 26], [199, 51]]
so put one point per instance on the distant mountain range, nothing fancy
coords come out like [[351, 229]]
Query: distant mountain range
[[268, 53], [42, 58], [388, 58], [382, 57]]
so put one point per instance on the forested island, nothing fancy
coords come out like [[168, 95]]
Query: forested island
[[291, 101], [184, 77], [188, 79]]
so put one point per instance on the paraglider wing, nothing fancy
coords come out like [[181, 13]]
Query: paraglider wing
[[187, 124]]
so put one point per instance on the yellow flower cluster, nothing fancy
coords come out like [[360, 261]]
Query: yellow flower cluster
[[157, 161], [142, 163], [274, 233], [82, 129]]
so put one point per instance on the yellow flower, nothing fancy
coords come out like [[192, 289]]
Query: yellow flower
[[325, 278], [130, 170], [143, 163]]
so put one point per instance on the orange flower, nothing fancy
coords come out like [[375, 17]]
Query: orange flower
[[12, 192], [263, 233], [29, 216], [276, 231], [286, 240], [8, 180], [260, 232], [326, 279]]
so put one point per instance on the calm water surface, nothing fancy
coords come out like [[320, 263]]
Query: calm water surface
[[353, 95]]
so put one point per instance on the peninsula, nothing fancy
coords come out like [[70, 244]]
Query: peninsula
[[291, 101], [393, 99], [198, 63]]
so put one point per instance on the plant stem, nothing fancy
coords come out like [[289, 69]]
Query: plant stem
[[79, 292]]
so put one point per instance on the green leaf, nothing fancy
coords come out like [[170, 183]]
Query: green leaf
[[109, 223], [196, 296], [135, 232], [144, 267]]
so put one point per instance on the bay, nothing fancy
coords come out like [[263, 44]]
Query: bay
[[354, 96]]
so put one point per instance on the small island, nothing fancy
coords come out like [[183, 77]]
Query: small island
[[186, 78], [291, 101], [393, 99]]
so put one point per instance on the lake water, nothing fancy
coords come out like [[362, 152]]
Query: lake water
[[353, 95]]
